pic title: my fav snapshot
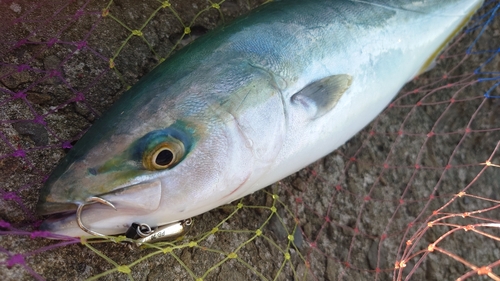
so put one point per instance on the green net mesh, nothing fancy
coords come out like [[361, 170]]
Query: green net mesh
[[413, 196]]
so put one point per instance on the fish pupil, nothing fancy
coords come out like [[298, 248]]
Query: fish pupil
[[164, 158]]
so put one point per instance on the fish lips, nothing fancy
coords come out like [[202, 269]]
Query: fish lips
[[141, 198]]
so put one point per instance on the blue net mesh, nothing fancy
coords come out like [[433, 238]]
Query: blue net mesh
[[413, 196]]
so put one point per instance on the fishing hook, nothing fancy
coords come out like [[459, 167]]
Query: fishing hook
[[89, 201], [140, 231]]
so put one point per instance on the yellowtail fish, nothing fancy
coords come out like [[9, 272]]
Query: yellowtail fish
[[243, 107]]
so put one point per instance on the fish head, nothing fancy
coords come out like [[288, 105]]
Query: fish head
[[166, 158], [158, 178]]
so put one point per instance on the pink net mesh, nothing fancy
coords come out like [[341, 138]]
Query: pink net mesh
[[413, 196]]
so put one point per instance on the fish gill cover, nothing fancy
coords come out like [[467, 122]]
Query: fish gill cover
[[415, 195]]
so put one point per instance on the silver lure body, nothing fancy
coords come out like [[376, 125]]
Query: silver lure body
[[252, 102]]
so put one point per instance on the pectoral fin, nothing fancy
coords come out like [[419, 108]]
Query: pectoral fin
[[321, 96]]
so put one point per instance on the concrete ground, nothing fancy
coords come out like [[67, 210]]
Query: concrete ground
[[346, 217]]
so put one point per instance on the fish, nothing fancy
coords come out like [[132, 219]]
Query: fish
[[242, 107]]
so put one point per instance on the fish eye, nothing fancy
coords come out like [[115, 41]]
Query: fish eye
[[164, 155]]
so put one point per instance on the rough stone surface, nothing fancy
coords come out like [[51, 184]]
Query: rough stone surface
[[334, 227]]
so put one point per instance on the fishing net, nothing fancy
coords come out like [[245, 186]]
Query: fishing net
[[414, 196]]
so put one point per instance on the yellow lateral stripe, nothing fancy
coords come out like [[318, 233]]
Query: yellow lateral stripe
[[445, 43]]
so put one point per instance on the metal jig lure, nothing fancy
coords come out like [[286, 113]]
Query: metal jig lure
[[140, 232]]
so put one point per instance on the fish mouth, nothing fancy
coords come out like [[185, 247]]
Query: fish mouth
[[141, 198], [53, 208], [59, 216]]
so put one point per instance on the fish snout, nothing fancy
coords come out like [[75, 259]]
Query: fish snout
[[96, 211]]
